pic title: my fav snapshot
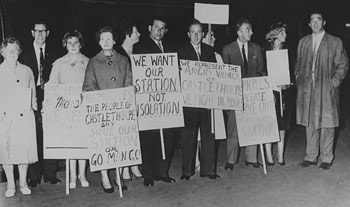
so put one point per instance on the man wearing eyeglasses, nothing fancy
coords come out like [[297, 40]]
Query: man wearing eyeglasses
[[39, 57]]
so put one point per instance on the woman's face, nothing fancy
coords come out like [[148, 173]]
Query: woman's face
[[135, 36], [11, 52], [106, 41], [282, 35], [73, 45]]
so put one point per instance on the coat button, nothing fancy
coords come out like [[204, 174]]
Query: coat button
[[17, 81], [21, 114]]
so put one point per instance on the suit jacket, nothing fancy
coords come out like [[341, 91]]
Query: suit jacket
[[187, 52], [231, 54], [331, 67], [147, 46], [28, 58]]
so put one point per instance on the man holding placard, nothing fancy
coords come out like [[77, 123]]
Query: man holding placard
[[197, 117], [320, 67], [249, 56], [154, 168]]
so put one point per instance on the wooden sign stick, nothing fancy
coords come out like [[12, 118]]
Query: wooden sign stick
[[212, 121], [119, 183], [67, 176], [281, 104], [263, 158], [162, 143]]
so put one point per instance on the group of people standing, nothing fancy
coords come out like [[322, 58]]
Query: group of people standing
[[320, 66]]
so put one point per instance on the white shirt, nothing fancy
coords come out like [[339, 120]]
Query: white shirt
[[316, 40], [157, 43], [37, 54], [245, 48], [197, 48]]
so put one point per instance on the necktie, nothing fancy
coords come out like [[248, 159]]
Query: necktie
[[245, 60], [160, 47], [41, 67], [198, 53]]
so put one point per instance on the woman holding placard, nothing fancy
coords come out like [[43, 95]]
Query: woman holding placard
[[17, 122], [129, 35], [107, 70], [71, 69], [276, 38]]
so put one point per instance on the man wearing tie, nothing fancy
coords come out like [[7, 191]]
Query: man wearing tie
[[320, 67], [197, 118], [154, 168], [39, 57], [249, 56]]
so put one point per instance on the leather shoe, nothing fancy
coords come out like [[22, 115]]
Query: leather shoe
[[124, 187], [166, 179], [52, 180], [210, 176], [270, 163], [228, 166], [185, 177], [148, 183], [107, 190], [307, 163], [325, 166], [282, 163], [254, 164], [32, 183]]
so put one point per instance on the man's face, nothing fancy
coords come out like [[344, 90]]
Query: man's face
[[106, 41], [317, 23], [40, 33], [245, 32], [157, 30], [195, 34]]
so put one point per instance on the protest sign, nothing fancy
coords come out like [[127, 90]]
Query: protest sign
[[64, 133], [278, 67], [257, 123], [211, 85], [211, 13], [111, 122], [158, 94]]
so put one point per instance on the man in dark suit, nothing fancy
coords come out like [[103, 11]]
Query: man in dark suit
[[249, 56], [39, 57], [154, 168], [197, 117]]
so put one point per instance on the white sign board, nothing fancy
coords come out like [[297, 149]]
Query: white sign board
[[257, 124], [278, 67], [64, 132], [211, 85], [111, 122], [211, 13], [158, 94]]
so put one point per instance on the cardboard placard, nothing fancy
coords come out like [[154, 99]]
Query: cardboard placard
[[158, 94], [211, 85], [64, 132], [211, 13], [111, 122], [257, 123], [278, 67]]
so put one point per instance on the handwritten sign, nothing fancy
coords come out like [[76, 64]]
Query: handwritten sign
[[211, 85], [64, 132], [110, 117], [278, 67], [211, 13], [257, 124], [158, 94]]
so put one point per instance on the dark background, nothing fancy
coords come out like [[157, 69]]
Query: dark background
[[88, 16]]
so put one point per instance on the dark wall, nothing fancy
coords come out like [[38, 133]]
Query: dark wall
[[87, 16]]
